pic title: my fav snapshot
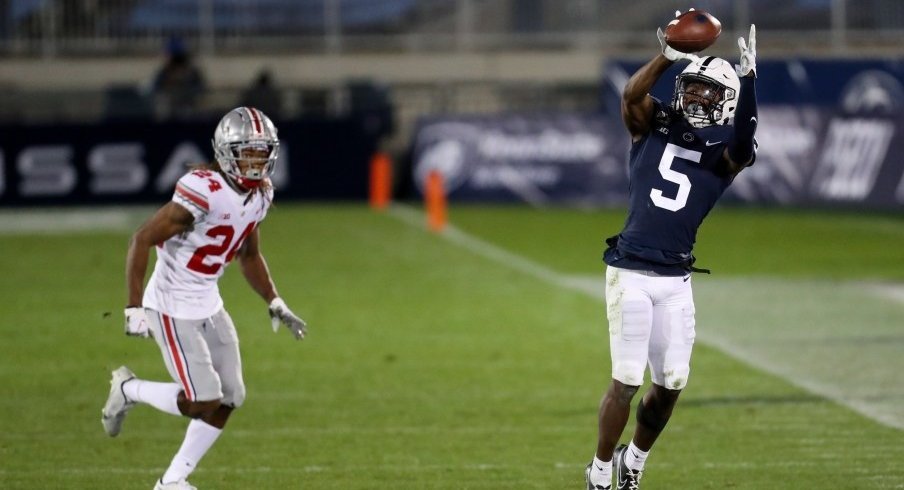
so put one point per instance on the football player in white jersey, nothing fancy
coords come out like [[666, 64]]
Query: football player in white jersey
[[212, 218]]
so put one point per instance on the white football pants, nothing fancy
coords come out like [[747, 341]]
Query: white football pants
[[651, 321]]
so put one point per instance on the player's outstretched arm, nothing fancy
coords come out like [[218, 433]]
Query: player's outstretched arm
[[637, 104], [256, 272], [741, 149], [255, 269], [169, 220]]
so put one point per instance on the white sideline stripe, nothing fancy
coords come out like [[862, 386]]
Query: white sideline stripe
[[894, 292], [795, 378], [59, 220], [417, 219], [595, 289]]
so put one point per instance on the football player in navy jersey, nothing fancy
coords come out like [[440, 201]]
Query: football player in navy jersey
[[684, 154]]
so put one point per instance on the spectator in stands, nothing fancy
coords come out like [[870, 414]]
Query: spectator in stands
[[263, 95], [178, 85]]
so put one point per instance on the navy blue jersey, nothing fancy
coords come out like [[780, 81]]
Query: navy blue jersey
[[676, 174]]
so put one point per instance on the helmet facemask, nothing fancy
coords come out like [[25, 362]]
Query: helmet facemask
[[246, 146], [706, 92], [248, 163]]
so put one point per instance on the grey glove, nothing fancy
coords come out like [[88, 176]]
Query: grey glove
[[281, 314], [748, 54]]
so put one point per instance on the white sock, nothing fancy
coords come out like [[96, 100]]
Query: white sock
[[161, 396], [601, 472], [635, 458], [199, 437]]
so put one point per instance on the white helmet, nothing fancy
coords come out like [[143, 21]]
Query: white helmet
[[244, 128], [723, 86]]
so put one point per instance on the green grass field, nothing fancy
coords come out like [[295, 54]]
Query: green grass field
[[442, 363]]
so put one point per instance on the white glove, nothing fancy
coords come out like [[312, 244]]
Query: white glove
[[280, 313], [748, 54], [136, 322], [671, 53]]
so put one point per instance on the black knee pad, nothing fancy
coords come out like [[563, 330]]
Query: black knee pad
[[651, 419]]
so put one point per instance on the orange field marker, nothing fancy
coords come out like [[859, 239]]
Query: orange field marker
[[435, 197], [380, 181]]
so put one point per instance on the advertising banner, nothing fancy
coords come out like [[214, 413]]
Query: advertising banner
[[832, 147], [575, 159], [141, 161], [819, 157]]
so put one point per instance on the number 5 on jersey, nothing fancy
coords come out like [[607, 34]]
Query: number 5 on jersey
[[684, 184]]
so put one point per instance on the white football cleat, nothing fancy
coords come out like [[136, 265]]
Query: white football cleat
[[117, 406], [177, 485]]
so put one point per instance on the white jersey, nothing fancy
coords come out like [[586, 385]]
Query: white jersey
[[184, 282]]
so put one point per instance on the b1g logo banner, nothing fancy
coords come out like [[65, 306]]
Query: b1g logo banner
[[813, 156], [574, 159], [141, 161], [817, 157]]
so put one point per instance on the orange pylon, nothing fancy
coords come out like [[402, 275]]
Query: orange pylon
[[435, 197], [380, 181]]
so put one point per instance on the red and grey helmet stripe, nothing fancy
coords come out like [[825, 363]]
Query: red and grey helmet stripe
[[256, 120]]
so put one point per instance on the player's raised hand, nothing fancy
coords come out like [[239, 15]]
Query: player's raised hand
[[671, 53], [747, 64], [136, 322], [281, 314]]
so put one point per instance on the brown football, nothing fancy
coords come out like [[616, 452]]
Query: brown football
[[693, 31]]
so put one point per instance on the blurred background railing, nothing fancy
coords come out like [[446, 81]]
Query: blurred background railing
[[76, 60], [56, 28]]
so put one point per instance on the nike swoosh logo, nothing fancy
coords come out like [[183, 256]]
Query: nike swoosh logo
[[598, 467], [713, 143], [754, 120]]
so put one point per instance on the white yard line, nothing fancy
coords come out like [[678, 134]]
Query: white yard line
[[738, 350], [894, 292], [51, 221], [801, 380]]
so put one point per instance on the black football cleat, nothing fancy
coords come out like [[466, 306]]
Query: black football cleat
[[625, 478]]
